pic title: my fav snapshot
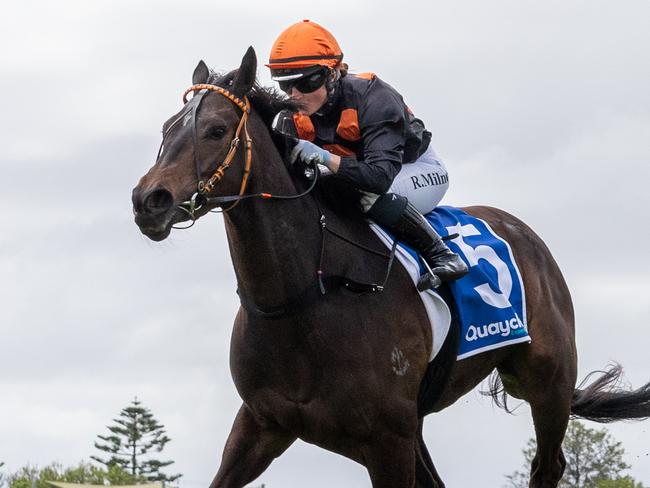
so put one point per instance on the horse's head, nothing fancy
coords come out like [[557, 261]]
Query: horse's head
[[199, 144]]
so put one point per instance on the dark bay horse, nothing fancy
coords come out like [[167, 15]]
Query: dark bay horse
[[345, 370]]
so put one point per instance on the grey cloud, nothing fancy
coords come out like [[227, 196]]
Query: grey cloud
[[541, 109]]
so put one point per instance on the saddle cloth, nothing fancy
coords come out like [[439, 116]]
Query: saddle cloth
[[490, 299]]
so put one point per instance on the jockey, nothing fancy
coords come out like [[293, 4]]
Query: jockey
[[359, 127]]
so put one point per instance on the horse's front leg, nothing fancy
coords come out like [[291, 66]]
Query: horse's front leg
[[250, 449]]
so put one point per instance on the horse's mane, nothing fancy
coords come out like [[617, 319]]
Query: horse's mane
[[267, 101]]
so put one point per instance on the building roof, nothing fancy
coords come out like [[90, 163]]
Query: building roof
[[59, 484]]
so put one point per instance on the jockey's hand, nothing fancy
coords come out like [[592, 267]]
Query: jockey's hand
[[309, 153]]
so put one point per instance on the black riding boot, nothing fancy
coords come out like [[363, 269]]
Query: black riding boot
[[412, 228]]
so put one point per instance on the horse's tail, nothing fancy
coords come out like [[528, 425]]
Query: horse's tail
[[604, 400]]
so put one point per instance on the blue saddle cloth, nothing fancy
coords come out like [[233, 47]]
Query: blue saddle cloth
[[490, 299]]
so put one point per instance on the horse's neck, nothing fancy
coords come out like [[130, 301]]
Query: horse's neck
[[274, 244]]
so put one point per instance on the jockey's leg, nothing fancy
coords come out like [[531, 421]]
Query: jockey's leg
[[409, 226], [423, 182], [417, 189]]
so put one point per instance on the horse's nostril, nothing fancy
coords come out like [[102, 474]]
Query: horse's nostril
[[158, 201]]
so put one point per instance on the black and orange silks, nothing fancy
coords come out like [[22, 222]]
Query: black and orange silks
[[368, 124]]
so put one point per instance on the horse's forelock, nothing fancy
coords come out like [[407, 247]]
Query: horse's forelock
[[221, 78]]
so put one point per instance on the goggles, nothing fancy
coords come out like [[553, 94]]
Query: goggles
[[306, 81]]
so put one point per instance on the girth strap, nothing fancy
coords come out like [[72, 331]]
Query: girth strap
[[325, 285]]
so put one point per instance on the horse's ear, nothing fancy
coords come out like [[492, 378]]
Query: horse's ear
[[201, 73], [245, 77]]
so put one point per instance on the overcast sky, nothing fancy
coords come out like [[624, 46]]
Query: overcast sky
[[539, 108]]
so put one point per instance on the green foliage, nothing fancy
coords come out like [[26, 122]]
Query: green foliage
[[591, 455], [23, 477], [86, 473], [116, 475], [132, 436], [594, 460], [626, 482]]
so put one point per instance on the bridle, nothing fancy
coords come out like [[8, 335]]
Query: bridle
[[204, 188], [200, 198]]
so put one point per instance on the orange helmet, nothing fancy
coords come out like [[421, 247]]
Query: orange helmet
[[303, 45]]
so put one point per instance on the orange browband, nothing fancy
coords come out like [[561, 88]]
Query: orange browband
[[244, 105]]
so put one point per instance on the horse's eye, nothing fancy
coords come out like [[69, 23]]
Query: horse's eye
[[216, 132]]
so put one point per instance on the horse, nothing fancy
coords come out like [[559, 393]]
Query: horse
[[346, 368]]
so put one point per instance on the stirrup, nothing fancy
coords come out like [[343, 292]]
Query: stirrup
[[428, 280]]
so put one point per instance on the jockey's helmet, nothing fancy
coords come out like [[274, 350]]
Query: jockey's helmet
[[303, 56]]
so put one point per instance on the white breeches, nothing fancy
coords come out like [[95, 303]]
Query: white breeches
[[424, 182]]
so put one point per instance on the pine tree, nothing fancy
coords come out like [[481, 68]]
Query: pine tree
[[135, 433]]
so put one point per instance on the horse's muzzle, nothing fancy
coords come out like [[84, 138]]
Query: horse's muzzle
[[152, 210]]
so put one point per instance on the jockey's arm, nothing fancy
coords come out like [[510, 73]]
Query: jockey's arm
[[334, 163]]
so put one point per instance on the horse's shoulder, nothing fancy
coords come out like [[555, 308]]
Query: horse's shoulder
[[339, 203]]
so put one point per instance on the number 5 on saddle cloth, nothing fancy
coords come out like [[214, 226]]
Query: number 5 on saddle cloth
[[489, 300]]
